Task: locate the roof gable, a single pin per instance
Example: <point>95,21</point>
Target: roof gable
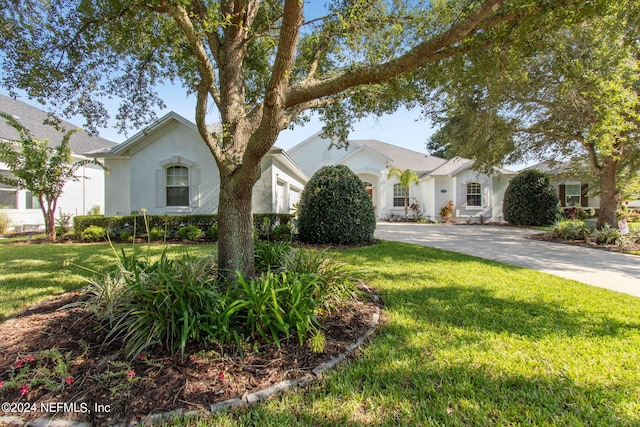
<point>142,137</point>
<point>402,158</point>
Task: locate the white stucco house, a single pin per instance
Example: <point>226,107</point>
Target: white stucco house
<point>78,197</point>
<point>476,196</point>
<point>167,169</point>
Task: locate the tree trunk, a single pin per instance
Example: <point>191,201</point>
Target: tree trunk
<point>235,226</point>
<point>609,197</point>
<point>49,212</point>
<point>406,204</point>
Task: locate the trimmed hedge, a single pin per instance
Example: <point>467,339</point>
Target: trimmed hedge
<point>336,208</point>
<point>116,225</point>
<point>530,199</point>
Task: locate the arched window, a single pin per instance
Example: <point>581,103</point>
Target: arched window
<point>474,194</point>
<point>177,186</point>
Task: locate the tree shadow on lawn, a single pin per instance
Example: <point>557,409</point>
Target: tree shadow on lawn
<point>471,292</point>
<point>479,309</point>
<point>368,392</point>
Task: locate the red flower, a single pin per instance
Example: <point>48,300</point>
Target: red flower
<point>140,357</point>
<point>131,373</point>
<point>221,376</point>
<point>1,384</point>
<point>19,363</point>
<point>30,358</point>
<point>24,389</point>
<point>69,381</point>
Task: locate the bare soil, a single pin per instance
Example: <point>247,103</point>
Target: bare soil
<point>154,382</point>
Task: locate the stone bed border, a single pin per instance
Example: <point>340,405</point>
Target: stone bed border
<point>247,399</point>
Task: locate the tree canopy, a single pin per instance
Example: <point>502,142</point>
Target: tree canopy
<point>263,65</point>
<point>577,96</point>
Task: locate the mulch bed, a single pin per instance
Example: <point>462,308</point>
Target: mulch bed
<point>156,382</point>
<point>627,247</point>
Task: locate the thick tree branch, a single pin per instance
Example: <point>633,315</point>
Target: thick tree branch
<point>205,67</point>
<point>212,36</point>
<point>273,108</point>
<point>423,54</point>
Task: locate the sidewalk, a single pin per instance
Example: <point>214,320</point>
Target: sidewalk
<point>610,270</point>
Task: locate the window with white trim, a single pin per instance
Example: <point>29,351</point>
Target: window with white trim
<point>474,194</point>
<point>572,195</point>
<point>398,195</point>
<point>177,186</point>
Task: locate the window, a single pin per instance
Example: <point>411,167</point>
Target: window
<point>474,194</point>
<point>32,201</point>
<point>572,195</point>
<point>8,198</point>
<point>398,195</point>
<point>177,186</point>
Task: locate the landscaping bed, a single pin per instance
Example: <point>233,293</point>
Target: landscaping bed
<point>104,387</point>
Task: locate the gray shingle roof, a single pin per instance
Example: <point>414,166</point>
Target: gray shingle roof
<point>33,119</point>
<point>403,158</point>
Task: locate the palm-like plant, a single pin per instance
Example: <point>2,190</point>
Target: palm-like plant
<point>406,177</point>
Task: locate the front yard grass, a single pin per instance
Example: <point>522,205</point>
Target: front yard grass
<point>33,272</point>
<point>466,342</point>
<point>473,342</point>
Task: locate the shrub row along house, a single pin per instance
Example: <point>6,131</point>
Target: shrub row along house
<point>167,169</point>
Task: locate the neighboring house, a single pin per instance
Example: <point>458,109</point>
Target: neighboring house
<point>167,169</point>
<point>78,197</point>
<point>572,192</point>
<point>476,196</point>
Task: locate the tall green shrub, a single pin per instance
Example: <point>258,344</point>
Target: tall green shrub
<point>336,208</point>
<point>530,199</point>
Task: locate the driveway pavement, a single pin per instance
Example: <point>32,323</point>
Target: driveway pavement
<point>615,271</point>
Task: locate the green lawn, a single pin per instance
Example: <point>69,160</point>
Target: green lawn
<point>30,273</point>
<point>466,342</point>
<point>470,342</point>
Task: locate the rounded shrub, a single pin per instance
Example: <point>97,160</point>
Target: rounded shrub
<point>94,233</point>
<point>189,233</point>
<point>336,208</point>
<point>530,199</point>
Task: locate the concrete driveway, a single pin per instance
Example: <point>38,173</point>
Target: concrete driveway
<point>615,271</point>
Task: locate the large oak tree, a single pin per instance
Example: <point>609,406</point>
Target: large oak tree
<point>262,65</point>
<point>575,96</point>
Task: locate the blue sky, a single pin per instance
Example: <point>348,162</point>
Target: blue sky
<point>404,128</point>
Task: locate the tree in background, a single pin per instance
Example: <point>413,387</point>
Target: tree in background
<point>577,98</point>
<point>406,178</point>
<point>38,167</point>
<point>263,65</point>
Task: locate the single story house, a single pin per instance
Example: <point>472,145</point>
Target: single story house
<point>572,190</point>
<point>78,197</point>
<point>476,196</point>
<point>167,169</point>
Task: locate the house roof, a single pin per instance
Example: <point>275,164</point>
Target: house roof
<point>552,167</point>
<point>452,167</point>
<point>166,120</point>
<point>402,158</point>
<point>33,119</point>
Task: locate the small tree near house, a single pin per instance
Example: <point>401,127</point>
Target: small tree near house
<point>40,168</point>
<point>406,177</point>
